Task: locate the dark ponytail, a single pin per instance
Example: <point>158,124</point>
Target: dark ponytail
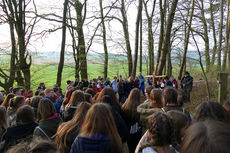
<point>14,102</point>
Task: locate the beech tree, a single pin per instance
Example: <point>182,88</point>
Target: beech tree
<point>21,33</point>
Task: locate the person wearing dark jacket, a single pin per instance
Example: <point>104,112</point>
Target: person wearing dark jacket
<point>186,86</point>
<point>121,89</point>
<point>68,131</point>
<point>76,98</point>
<point>99,133</point>
<point>48,119</point>
<point>132,118</point>
<point>24,128</point>
<point>119,121</point>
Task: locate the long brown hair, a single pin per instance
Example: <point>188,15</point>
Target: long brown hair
<point>25,114</point>
<point>7,100</point>
<point>3,117</point>
<point>46,109</point>
<point>211,111</point>
<point>129,108</point>
<point>99,119</point>
<point>206,137</point>
<point>66,128</point>
<point>76,98</point>
<point>108,91</point>
<point>180,121</point>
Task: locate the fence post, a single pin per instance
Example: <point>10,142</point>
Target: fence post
<point>223,87</point>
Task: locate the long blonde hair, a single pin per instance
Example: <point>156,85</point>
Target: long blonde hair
<point>66,128</point>
<point>99,119</point>
<point>76,98</point>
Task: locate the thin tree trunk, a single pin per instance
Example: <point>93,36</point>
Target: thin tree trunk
<point>150,37</point>
<point>183,64</point>
<point>137,38</point>
<point>62,53</point>
<point>214,34</point>
<point>74,47</point>
<point>126,34</point>
<point>206,37</point>
<point>161,39</point>
<point>169,63</point>
<point>167,37</point>
<point>228,33</point>
<point>202,68</point>
<point>104,41</point>
<point>220,40</point>
<point>141,40</point>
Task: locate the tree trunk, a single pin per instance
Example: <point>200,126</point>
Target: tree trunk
<point>167,37</point>
<point>141,40</point>
<point>81,40</point>
<point>220,40</point>
<point>150,46</point>
<point>62,53</point>
<point>187,34</point>
<point>104,41</point>
<point>202,68</point>
<point>137,38</point>
<point>206,37</point>
<point>150,37</point>
<point>169,63</point>
<point>227,33</point>
<point>126,34</point>
<point>20,28</point>
<point>214,33</point>
<point>161,39</point>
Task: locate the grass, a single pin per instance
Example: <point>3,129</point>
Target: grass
<point>47,73</point>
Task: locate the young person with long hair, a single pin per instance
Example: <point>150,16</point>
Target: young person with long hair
<point>24,128</point>
<point>208,136</point>
<point>36,146</point>
<point>119,121</point>
<point>34,103</point>
<point>76,98</point>
<point>3,125</point>
<point>99,133</point>
<point>48,120</point>
<point>68,131</point>
<point>15,103</point>
<point>6,101</point>
<point>226,106</point>
<point>159,136</point>
<point>109,91</point>
<point>211,111</point>
<point>132,117</point>
<point>180,123</point>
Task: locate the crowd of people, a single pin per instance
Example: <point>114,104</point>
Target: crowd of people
<point>134,115</point>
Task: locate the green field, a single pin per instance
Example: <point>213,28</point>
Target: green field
<point>48,73</point>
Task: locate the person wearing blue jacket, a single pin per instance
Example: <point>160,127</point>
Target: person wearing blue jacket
<point>99,133</point>
<point>142,83</point>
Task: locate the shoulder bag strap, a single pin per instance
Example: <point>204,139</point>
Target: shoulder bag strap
<point>43,132</point>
